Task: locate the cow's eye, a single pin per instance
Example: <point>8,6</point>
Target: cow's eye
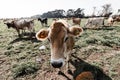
<point>66,39</point>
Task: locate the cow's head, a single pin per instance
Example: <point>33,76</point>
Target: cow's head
<point>9,24</point>
<point>58,35</point>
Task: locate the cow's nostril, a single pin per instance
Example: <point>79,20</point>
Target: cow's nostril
<point>57,64</point>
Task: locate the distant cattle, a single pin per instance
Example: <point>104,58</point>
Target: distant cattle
<point>61,37</point>
<point>76,21</point>
<point>43,21</point>
<point>68,18</point>
<point>55,19</point>
<point>110,21</point>
<point>21,24</point>
<point>94,22</point>
<point>116,19</point>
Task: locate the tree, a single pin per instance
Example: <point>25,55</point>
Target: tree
<point>79,12</point>
<point>59,13</point>
<point>118,10</point>
<point>107,10</point>
<point>94,10</point>
<point>70,12</point>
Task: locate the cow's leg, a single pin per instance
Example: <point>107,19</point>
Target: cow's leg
<point>32,30</point>
<point>110,24</point>
<point>46,24</point>
<point>96,26</point>
<point>18,31</point>
<point>42,24</point>
<point>23,32</point>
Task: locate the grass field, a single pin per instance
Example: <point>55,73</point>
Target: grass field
<point>97,51</point>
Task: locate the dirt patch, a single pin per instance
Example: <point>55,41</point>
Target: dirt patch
<point>95,51</point>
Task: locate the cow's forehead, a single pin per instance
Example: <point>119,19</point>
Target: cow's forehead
<point>58,29</point>
<point>58,32</point>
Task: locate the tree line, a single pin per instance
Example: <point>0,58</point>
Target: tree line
<point>106,11</point>
<point>60,13</point>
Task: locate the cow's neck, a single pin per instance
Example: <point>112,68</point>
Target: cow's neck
<point>70,44</point>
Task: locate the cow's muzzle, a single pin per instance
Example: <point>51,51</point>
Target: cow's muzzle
<point>57,63</point>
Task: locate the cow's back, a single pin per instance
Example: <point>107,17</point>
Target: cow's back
<point>19,24</point>
<point>22,24</point>
<point>95,21</point>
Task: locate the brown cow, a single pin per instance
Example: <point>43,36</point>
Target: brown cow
<point>61,38</point>
<point>76,21</point>
<point>21,24</point>
<point>87,75</point>
<point>117,19</point>
<point>113,19</point>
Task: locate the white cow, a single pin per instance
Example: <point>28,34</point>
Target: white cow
<point>110,21</point>
<point>94,22</point>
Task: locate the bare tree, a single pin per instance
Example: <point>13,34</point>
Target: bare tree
<point>79,12</point>
<point>107,10</point>
<point>118,10</point>
<point>94,10</point>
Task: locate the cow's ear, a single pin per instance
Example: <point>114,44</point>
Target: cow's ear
<point>42,34</point>
<point>75,30</point>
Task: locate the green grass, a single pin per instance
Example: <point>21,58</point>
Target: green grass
<point>24,68</point>
<point>20,54</point>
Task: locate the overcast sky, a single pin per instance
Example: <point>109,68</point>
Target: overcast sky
<point>27,8</point>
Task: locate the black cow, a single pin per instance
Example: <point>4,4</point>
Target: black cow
<point>43,21</point>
